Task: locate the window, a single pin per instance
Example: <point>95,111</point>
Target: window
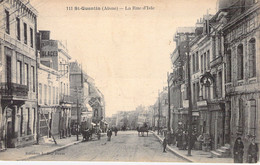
<point>29,126</point>
<point>53,93</point>
<point>198,90</point>
<point>240,116</point>
<point>25,32</point>
<point>31,35</point>
<point>49,95</point>
<point>26,72</point>
<point>229,66</point>
<point>61,88</point>
<point>219,87</point>
<point>7,22</point>
<point>19,72</point>
<point>18,29</point>
<point>33,78</point>
<point>205,62</point>
<point>34,120</point>
<point>25,121</point>
<point>252,117</point>
<point>197,61</point>
<point>214,86</point>
<point>45,94</point>
<point>57,96</point>
<point>201,63</point>
<point>40,93</point>
<point>240,62</point>
<point>193,63</point>
<point>252,58</point>
<point>208,60</point>
<point>67,89</point>
<point>21,124</point>
<point>194,92</point>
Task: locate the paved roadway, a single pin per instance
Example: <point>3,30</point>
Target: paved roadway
<point>126,146</point>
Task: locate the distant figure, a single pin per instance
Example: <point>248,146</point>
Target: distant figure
<point>252,152</point>
<point>116,130</point>
<point>238,151</point>
<point>193,139</point>
<point>184,140</point>
<point>98,134</point>
<point>164,144</point>
<point>109,134</point>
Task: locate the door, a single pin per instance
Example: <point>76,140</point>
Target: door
<point>9,134</point>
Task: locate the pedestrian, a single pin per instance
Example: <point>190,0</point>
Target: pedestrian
<point>252,152</point>
<point>180,140</point>
<point>109,134</point>
<point>98,133</point>
<point>164,144</point>
<point>116,130</point>
<point>184,140</point>
<point>193,139</point>
<point>238,151</point>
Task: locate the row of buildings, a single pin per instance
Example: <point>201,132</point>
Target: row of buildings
<point>224,77</point>
<point>42,93</point>
<point>132,119</point>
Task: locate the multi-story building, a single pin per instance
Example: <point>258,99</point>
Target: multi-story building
<point>241,55</point>
<point>48,101</point>
<point>97,102</point>
<point>79,92</point>
<point>54,54</point>
<point>207,81</point>
<point>177,78</point>
<point>160,110</point>
<point>18,110</point>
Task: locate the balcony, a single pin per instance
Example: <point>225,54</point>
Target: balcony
<point>65,98</point>
<point>13,91</point>
<point>216,61</point>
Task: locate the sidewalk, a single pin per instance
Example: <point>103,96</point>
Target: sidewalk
<point>25,153</point>
<point>198,156</point>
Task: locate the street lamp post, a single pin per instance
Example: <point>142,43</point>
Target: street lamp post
<point>158,112</point>
<point>189,97</point>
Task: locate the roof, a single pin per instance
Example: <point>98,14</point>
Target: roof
<point>185,30</point>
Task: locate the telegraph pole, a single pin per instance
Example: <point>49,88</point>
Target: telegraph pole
<point>169,105</point>
<point>189,96</point>
<point>77,116</point>
<point>158,112</point>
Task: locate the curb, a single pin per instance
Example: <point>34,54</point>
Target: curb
<point>50,151</point>
<point>174,151</point>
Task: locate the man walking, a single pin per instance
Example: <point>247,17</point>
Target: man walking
<point>252,152</point>
<point>164,144</point>
<point>109,134</point>
<point>238,151</point>
<point>116,130</point>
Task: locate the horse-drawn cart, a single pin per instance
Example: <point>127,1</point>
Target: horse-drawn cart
<point>143,129</point>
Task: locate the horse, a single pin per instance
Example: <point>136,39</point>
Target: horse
<point>142,130</point>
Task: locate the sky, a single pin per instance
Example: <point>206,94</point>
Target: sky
<point>126,52</point>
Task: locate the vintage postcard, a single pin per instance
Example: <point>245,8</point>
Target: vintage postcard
<point>173,81</point>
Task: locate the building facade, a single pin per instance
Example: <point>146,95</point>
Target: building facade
<point>48,101</point>
<point>54,54</point>
<point>178,79</point>
<point>18,110</point>
<point>241,54</point>
<point>79,92</point>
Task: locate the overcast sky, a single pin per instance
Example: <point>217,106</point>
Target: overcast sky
<point>126,52</point>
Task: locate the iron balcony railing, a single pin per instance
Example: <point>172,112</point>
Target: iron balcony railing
<point>13,90</point>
